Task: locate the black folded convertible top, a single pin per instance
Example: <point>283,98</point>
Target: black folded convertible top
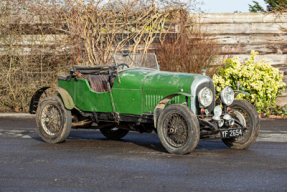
<point>94,69</point>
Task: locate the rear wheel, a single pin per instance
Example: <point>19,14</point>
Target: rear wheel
<point>114,133</point>
<point>53,120</point>
<point>178,129</point>
<point>247,115</point>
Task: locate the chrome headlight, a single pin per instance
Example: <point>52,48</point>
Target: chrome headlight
<point>205,97</point>
<point>217,113</point>
<point>227,95</point>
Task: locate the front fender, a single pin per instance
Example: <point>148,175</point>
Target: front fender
<point>161,105</point>
<point>67,99</point>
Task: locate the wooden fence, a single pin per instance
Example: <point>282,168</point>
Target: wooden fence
<point>236,33</point>
<point>239,33</point>
<point>243,32</point>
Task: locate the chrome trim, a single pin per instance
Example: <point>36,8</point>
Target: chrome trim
<point>227,117</point>
<point>197,81</point>
<point>217,116</point>
<point>220,123</point>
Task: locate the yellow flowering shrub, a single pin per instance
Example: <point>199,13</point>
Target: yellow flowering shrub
<point>261,80</point>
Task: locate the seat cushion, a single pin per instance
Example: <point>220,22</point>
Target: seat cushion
<point>99,83</point>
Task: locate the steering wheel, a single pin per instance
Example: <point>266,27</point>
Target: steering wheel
<point>122,65</point>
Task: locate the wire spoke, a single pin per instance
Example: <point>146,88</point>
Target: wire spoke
<point>175,129</point>
<point>51,120</point>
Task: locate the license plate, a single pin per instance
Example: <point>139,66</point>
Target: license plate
<point>228,133</point>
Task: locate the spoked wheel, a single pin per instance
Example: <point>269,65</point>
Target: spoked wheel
<point>175,129</point>
<point>247,115</point>
<point>114,133</point>
<point>53,120</point>
<point>178,129</point>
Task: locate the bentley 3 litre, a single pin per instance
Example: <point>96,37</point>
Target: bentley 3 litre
<point>134,95</point>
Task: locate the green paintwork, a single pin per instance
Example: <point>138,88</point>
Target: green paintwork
<point>139,92</point>
<point>159,84</point>
<point>128,94</point>
<point>86,99</point>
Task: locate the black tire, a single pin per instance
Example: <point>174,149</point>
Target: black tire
<point>252,124</point>
<point>53,120</point>
<point>178,129</point>
<point>114,133</point>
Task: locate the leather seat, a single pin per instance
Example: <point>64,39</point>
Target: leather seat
<point>99,83</point>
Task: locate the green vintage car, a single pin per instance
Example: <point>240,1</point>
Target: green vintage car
<point>134,95</point>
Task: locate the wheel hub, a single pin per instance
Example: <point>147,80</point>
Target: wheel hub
<point>177,129</point>
<point>171,130</point>
<point>51,119</point>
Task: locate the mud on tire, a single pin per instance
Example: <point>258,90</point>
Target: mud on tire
<point>53,120</point>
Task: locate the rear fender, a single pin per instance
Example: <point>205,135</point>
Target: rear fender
<point>161,105</point>
<point>66,98</point>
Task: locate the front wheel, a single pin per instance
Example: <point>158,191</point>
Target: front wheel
<point>53,120</point>
<point>247,115</point>
<point>178,129</point>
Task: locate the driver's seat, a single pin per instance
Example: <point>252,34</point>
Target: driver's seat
<point>99,83</point>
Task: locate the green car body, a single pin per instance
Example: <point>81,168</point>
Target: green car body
<point>135,95</point>
<point>139,92</point>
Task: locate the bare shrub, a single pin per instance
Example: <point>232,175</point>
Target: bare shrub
<point>31,55</point>
<point>189,51</point>
<point>40,40</point>
<point>98,29</point>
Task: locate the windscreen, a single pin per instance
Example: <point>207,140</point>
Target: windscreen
<point>126,61</point>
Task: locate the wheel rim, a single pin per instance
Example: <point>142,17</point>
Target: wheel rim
<point>51,119</point>
<point>175,129</point>
<point>245,114</point>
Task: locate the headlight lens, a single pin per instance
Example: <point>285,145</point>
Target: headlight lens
<point>227,95</point>
<point>205,97</point>
<point>217,111</point>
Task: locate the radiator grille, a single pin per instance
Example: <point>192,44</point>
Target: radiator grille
<point>152,100</point>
